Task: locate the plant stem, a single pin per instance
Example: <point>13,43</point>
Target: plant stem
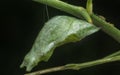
<point>54,69</point>
<point>107,27</point>
<point>79,11</point>
<point>76,66</point>
<point>113,54</point>
<point>89,7</point>
<point>92,63</point>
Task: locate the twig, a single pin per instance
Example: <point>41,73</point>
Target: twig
<point>79,12</point>
<point>107,27</point>
<point>76,66</point>
<point>89,7</point>
<point>113,54</point>
<point>54,69</point>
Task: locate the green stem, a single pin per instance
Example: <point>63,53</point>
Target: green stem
<point>113,54</point>
<point>89,7</point>
<point>92,63</point>
<point>76,66</point>
<point>54,69</point>
<point>79,11</point>
<point>107,27</point>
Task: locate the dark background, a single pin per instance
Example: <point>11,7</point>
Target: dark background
<point>20,21</point>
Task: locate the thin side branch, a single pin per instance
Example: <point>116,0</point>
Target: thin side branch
<point>113,54</point>
<point>54,69</point>
<point>76,66</point>
<point>89,7</point>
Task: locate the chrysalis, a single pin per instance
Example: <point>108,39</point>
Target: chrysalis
<point>57,31</point>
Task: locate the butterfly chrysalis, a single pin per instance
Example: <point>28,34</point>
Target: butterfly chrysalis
<point>57,31</point>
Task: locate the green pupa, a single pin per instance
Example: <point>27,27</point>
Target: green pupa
<point>57,31</point>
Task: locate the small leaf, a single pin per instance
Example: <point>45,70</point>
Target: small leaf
<point>57,31</point>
